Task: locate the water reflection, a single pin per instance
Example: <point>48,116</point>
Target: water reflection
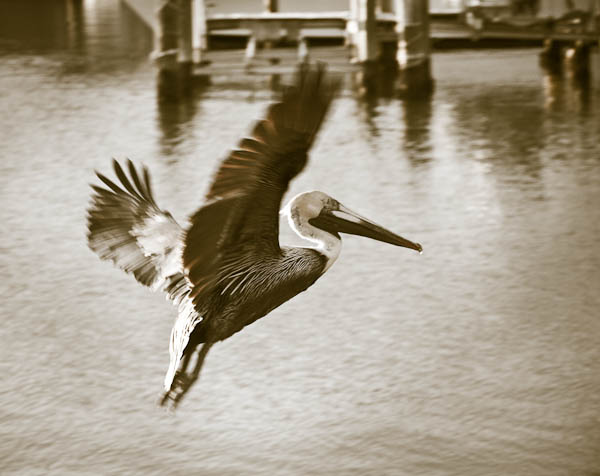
<point>507,125</point>
<point>567,93</point>
<point>372,88</point>
<point>417,128</point>
<point>174,115</point>
<point>75,24</point>
<point>367,101</point>
<point>42,26</point>
<point>84,37</point>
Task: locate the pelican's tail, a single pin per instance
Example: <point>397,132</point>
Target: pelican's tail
<point>187,320</point>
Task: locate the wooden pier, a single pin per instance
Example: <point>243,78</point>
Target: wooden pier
<point>368,36</point>
<point>371,33</point>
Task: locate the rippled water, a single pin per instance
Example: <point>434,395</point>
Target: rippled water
<point>480,356</point>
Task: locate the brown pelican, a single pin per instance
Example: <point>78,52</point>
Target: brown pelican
<point>227,269</point>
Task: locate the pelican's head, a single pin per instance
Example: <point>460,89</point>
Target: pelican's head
<point>317,210</point>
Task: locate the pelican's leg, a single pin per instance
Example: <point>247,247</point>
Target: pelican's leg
<point>191,378</point>
<point>184,363</point>
<point>179,380</point>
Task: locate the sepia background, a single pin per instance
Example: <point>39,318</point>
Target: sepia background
<point>479,357</point>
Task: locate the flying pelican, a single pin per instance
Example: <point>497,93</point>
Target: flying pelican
<point>227,269</point>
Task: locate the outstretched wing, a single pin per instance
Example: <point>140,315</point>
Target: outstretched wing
<point>242,214</point>
<point>126,226</point>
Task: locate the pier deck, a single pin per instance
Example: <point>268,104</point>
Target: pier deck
<point>364,39</point>
<point>333,25</point>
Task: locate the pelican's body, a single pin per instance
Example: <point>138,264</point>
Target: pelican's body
<point>267,285</point>
<point>227,269</point>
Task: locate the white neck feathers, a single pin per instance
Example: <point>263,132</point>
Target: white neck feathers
<point>326,243</point>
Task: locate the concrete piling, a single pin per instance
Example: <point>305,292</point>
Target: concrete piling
<point>577,59</point>
<point>414,50</point>
<point>174,48</point>
<point>551,55</point>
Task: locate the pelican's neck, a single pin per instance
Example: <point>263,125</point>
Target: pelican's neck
<point>325,243</point>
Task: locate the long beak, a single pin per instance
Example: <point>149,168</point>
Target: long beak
<point>345,220</point>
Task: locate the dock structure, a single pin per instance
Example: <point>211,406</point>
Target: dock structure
<point>370,33</point>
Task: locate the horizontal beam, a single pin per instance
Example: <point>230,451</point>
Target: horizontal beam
<point>272,61</point>
<point>279,16</point>
<point>533,35</point>
<point>337,20</point>
<point>342,15</point>
<point>261,70</point>
<point>251,23</point>
<point>445,30</point>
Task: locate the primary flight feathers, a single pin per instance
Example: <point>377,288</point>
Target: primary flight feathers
<point>126,226</point>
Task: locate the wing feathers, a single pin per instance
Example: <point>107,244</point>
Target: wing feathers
<point>124,180</point>
<point>126,227</point>
<point>282,138</point>
<point>115,188</point>
<point>241,221</point>
<point>141,186</point>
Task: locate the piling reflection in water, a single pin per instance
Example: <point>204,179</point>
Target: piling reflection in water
<point>174,117</point>
<point>417,127</point>
<point>568,94</point>
<point>487,359</point>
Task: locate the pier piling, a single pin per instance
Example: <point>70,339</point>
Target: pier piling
<point>551,55</point>
<point>199,30</point>
<point>366,47</point>
<point>578,59</point>
<point>174,48</point>
<point>414,50</point>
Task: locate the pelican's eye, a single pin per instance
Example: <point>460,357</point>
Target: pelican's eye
<point>331,204</point>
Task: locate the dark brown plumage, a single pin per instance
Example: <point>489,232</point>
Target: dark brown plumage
<point>246,194</point>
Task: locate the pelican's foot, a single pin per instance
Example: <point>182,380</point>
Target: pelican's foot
<point>181,384</point>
